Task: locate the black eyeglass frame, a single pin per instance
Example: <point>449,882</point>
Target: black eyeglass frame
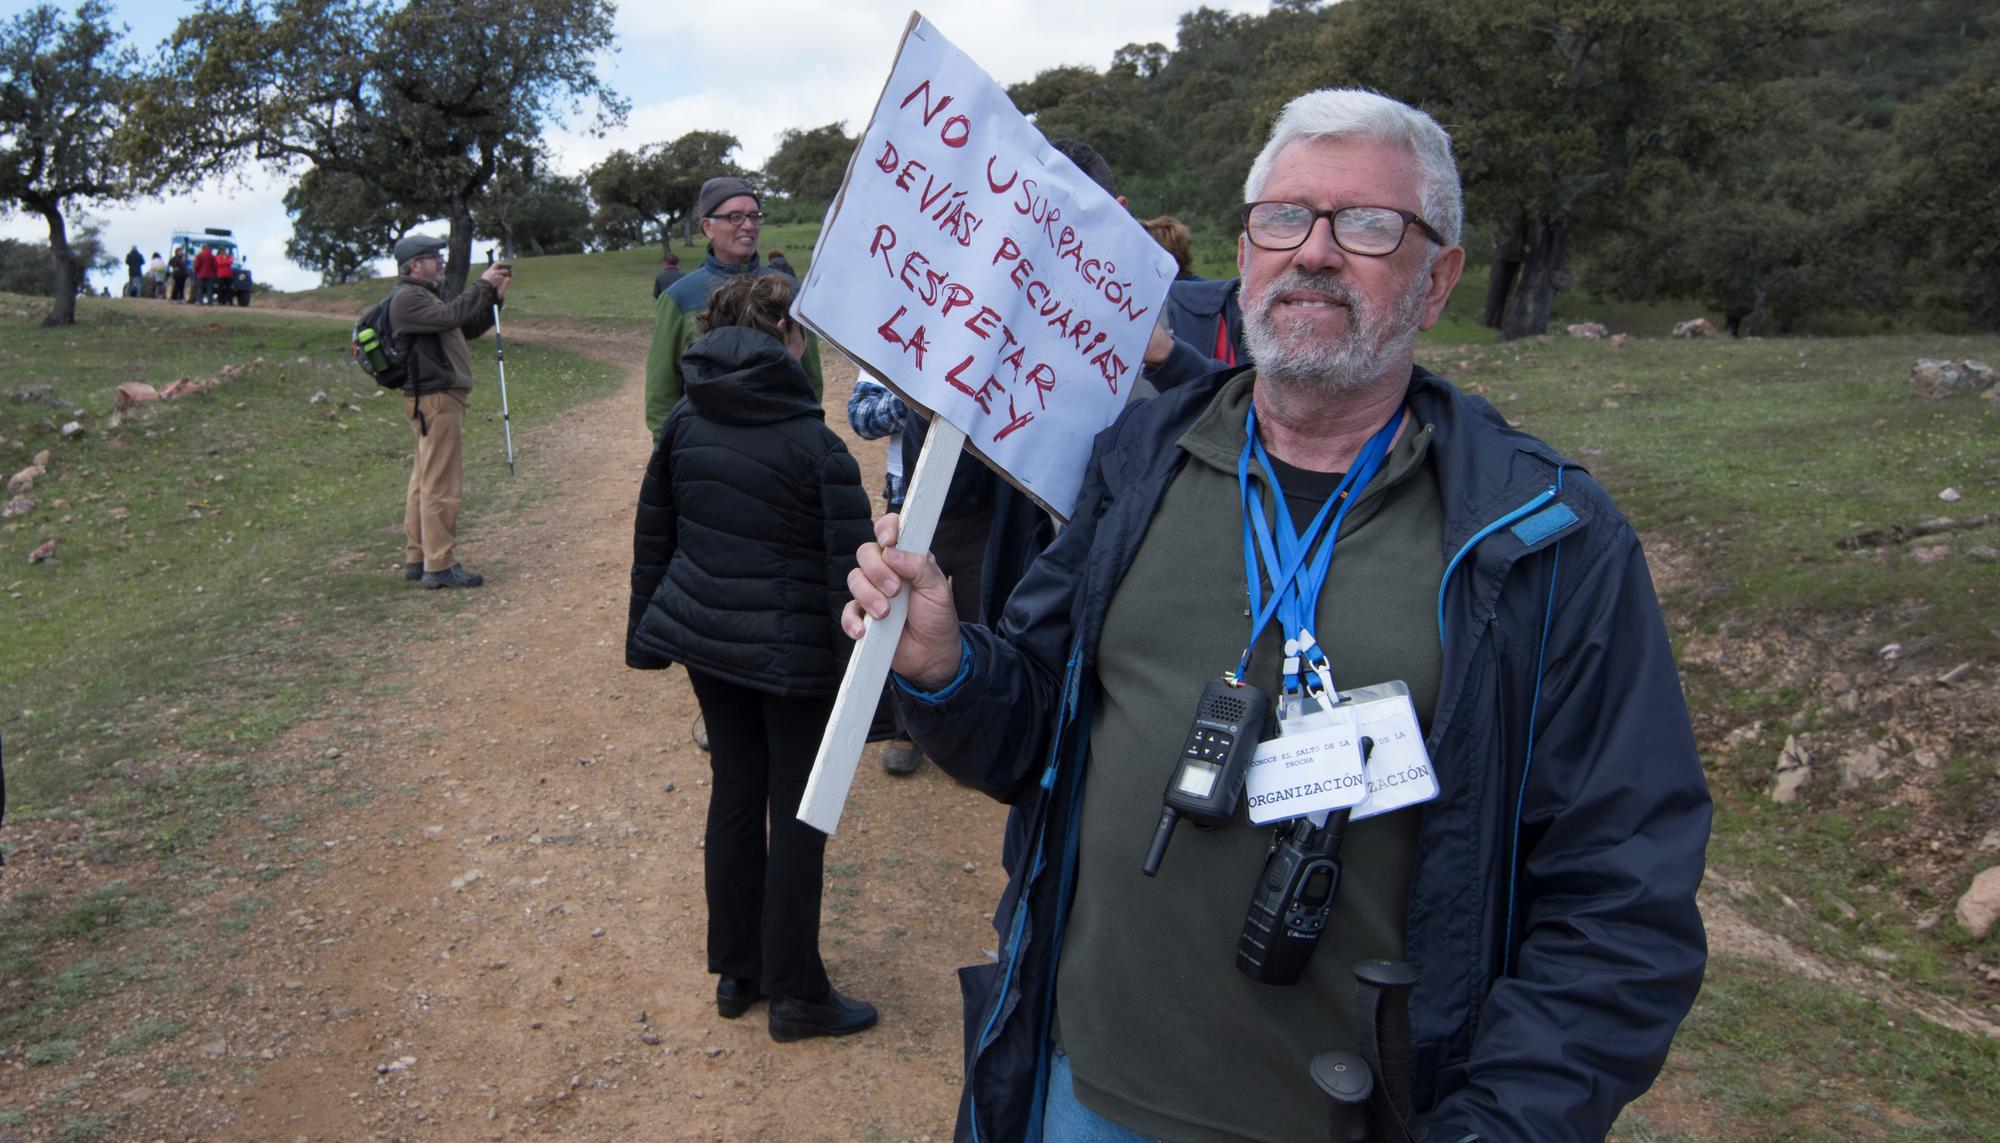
<point>1409,218</point>
<point>751,216</point>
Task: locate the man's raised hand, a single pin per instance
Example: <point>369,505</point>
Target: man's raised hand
<point>928,652</point>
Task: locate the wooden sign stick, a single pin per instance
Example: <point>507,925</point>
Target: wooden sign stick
<point>868,666</point>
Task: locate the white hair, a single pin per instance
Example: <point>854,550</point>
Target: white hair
<point>1356,113</point>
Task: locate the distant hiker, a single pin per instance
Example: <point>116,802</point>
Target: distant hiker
<point>748,520</point>
<point>670,272</point>
<point>178,267</point>
<point>731,218</point>
<point>430,333</point>
<point>204,275</point>
<point>156,276</point>
<point>225,276</point>
<point>135,262</point>
<point>777,262</point>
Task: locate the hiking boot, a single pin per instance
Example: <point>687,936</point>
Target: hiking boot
<point>453,576</point>
<point>836,1015</point>
<point>734,995</point>
<point>901,756</point>
<point>413,572</point>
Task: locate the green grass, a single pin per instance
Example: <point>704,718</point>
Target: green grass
<point>1833,1067</point>
<point>1761,455</point>
<point>616,286</point>
<point>237,540</point>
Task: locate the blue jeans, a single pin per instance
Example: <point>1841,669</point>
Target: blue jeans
<point>1064,1120</point>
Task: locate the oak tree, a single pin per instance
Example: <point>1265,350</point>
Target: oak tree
<point>63,84</point>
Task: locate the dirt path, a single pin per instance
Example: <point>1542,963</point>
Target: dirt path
<point>498,930</point>
<point>507,940</point>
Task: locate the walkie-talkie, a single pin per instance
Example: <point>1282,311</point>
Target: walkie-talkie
<point>1207,778</point>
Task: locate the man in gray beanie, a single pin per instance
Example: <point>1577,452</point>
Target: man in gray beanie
<point>430,333</point>
<point>731,220</point>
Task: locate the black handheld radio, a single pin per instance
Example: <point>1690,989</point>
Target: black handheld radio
<point>1207,778</point>
<point>1293,897</point>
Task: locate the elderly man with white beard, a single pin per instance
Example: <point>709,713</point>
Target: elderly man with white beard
<point>1344,539</point>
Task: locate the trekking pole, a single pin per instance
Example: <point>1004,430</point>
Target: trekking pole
<point>500,355</point>
<point>1349,1087</point>
<point>1382,1016</point>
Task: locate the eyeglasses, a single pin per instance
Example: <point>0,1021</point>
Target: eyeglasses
<point>1375,231</point>
<point>739,217</point>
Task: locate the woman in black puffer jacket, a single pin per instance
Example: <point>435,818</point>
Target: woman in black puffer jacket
<point>749,518</point>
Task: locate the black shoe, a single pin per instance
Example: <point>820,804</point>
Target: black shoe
<point>734,995</point>
<point>453,576</point>
<point>413,571</point>
<point>901,756</point>
<point>794,1019</point>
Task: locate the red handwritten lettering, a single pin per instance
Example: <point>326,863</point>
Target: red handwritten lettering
<point>1015,421</point>
<point>955,297</point>
<point>956,130</point>
<point>982,323</point>
<point>915,344</point>
<point>995,185</point>
<point>1043,379</point>
<point>877,246</point>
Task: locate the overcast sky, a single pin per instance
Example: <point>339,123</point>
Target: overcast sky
<point>751,69</point>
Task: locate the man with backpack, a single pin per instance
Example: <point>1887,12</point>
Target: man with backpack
<point>428,335</point>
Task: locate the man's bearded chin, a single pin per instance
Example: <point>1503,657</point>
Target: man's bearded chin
<point>1331,367</point>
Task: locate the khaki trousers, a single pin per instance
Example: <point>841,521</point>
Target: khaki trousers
<point>430,511</point>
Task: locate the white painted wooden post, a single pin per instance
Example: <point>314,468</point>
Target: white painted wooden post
<point>861,688</point>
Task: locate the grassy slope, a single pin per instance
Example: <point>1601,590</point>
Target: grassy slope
<point>225,535</point>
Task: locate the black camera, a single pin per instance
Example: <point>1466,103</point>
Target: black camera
<point>1207,778</point>
<point>1291,902</point>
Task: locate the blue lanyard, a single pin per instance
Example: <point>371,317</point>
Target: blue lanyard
<point>1296,581</point>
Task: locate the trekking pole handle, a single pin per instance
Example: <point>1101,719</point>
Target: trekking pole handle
<point>1382,1016</point>
<point>1344,1079</point>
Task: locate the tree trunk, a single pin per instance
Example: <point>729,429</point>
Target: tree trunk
<point>63,312</point>
<point>1543,272</point>
<point>459,245</point>
<point>1500,279</point>
<point>1757,311</point>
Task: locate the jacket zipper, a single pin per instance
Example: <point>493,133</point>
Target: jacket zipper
<point>1072,675</point>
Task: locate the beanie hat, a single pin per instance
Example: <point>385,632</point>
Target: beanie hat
<point>719,190</point>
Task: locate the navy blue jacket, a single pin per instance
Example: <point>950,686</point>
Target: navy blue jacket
<point>1552,913</point>
<point>1200,312</point>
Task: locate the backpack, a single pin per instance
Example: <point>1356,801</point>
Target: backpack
<point>374,346</point>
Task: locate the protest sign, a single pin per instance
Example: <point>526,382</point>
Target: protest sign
<point>980,274</point>
<point>983,276</point>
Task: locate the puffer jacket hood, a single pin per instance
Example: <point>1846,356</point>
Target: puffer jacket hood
<point>748,521</point>
<point>736,375</point>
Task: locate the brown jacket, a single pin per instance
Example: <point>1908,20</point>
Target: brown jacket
<point>432,332</point>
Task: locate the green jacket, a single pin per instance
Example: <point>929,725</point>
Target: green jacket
<point>674,329</point>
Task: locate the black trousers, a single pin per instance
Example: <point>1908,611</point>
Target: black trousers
<point>763,898</point>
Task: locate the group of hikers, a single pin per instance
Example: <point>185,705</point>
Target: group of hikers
<point>214,270</point>
<point>1505,924</point>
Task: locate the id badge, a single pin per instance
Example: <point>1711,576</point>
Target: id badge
<point>1314,764</point>
<point>1399,768</point>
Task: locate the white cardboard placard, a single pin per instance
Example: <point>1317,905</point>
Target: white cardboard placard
<point>973,269</point>
<point>981,275</point>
